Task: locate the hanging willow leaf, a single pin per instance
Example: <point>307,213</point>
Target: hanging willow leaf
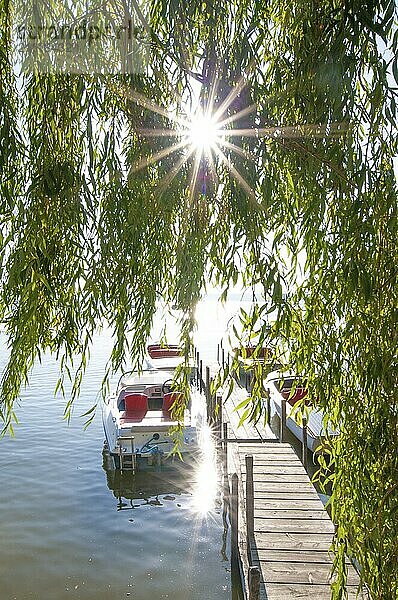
<point>103,219</point>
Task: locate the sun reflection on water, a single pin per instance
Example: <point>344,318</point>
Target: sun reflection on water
<point>206,485</point>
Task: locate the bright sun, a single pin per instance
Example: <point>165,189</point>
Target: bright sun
<point>203,132</point>
<point>209,131</point>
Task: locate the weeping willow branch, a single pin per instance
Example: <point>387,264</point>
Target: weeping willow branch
<point>102,222</point>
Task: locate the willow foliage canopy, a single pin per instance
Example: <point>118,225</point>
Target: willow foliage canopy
<point>299,197</point>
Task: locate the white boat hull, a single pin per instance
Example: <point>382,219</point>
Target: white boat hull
<point>155,436</point>
<point>316,433</point>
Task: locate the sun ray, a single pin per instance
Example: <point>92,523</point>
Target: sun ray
<point>242,113</point>
<point>205,132</point>
<point>159,132</point>
<point>168,178</point>
<point>149,160</point>
<point>212,166</point>
<point>245,153</point>
<point>230,98</point>
<point>143,101</point>
<point>194,176</point>
<point>292,131</point>
<point>212,95</point>
<point>237,176</point>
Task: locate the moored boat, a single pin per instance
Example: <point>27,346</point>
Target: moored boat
<point>290,389</point>
<point>164,357</point>
<point>139,416</point>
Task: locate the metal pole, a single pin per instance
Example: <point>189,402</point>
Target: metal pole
<point>234,528</point>
<point>254,583</point>
<point>282,435</point>
<point>305,444</point>
<point>249,505</point>
<point>268,410</point>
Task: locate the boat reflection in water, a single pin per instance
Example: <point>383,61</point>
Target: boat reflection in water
<point>196,481</point>
<point>176,526</point>
<point>144,487</point>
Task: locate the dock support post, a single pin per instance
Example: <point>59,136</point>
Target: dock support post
<point>225,457</point>
<point>208,395</point>
<point>219,417</point>
<point>197,370</point>
<point>225,447</point>
<point>305,444</point>
<point>249,505</point>
<point>201,375</point>
<point>234,528</point>
<point>268,416</point>
<point>282,435</point>
<point>254,583</point>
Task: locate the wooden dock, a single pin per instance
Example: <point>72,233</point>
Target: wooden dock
<point>281,533</point>
<point>292,531</point>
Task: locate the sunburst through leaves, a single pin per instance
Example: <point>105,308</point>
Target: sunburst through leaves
<point>205,135</point>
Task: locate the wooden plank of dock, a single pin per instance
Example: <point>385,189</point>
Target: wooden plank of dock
<point>257,431</point>
<point>292,530</point>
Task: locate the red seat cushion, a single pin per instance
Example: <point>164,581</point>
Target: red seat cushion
<point>136,406</point>
<point>168,401</point>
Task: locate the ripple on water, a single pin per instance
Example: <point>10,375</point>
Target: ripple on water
<point>69,529</point>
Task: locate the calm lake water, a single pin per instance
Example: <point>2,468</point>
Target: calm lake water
<point>71,529</point>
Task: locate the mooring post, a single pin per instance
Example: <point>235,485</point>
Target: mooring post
<point>210,403</point>
<point>282,434</point>
<point>234,528</point>
<point>225,449</point>
<point>197,370</point>
<point>254,583</point>
<point>268,416</point>
<point>304,456</point>
<point>249,505</point>
<point>201,375</point>
<point>219,417</point>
